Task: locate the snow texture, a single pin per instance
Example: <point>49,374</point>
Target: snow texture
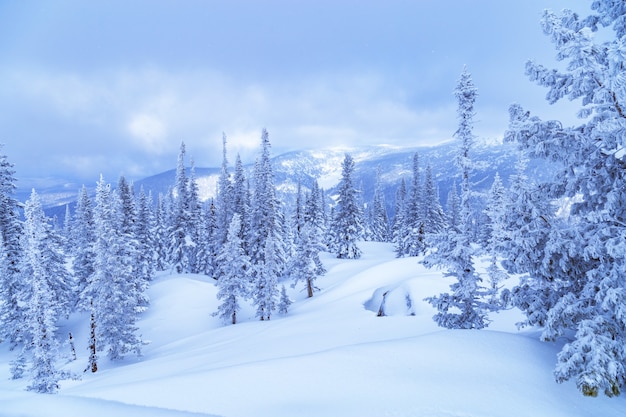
<point>328,356</point>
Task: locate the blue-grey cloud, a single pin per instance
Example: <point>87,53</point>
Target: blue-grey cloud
<point>114,87</point>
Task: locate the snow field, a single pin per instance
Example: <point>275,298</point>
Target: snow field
<point>330,356</point>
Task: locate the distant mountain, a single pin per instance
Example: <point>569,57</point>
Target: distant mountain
<point>325,165</point>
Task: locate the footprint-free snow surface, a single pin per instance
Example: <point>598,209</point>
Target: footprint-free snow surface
<point>331,355</point>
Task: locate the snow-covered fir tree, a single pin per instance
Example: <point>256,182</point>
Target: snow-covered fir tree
<point>146,251</point>
<point>180,226</point>
<point>464,307</point>
<point>224,199</point>
<point>48,296</point>
<point>496,213</point>
<point>347,223</point>
<point>265,289</point>
<point>267,219</point>
<point>241,202</point>
<point>432,213</point>
<point>397,228</point>
<point>306,265</point>
<point>412,234</point>
<point>82,241</point>
<point>11,285</point>
<point>233,273</point>
<point>379,221</point>
<point>111,291</point>
<point>285,301</point>
<point>590,268</point>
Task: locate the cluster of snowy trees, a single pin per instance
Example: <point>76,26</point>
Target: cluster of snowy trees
<point>572,262</point>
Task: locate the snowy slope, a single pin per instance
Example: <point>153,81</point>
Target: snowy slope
<point>330,356</point>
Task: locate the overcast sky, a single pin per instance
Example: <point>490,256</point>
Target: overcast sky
<point>114,87</point>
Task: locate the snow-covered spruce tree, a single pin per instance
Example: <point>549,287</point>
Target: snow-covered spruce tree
<point>314,211</point>
<point>267,221</point>
<point>397,228</point>
<point>347,221</point>
<point>195,223</point>
<point>224,199</point>
<point>207,241</point>
<point>180,225</point>
<point>265,290</point>
<point>124,197</point>
<point>379,220</point>
<point>592,269</point>
<point>285,301</point>
<point>111,291</point>
<point>433,216</point>
<point>82,241</point>
<point>496,213</point>
<point>11,286</point>
<point>160,232</point>
<point>413,233</point>
<point>529,222</point>
<point>47,297</point>
<point>464,307</point>
<point>306,264</point>
<point>241,201</point>
<point>233,272</point>
<point>144,226</point>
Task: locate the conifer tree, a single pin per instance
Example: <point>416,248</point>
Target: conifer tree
<point>233,273</point>
<point>83,239</point>
<point>224,199</point>
<point>160,232</point>
<point>433,215</point>
<point>588,256</point>
<point>48,296</point>
<point>496,213</point>
<point>464,307</point>
<point>306,265</point>
<point>285,301</point>
<point>241,202</point>
<point>347,221</point>
<point>111,292</point>
<point>379,219</point>
<point>397,228</point>
<point>11,286</point>
<point>265,292</point>
<point>145,239</point>
<point>180,226</point>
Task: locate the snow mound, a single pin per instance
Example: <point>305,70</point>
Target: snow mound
<point>391,301</point>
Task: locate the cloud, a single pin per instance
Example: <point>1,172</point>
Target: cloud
<point>142,116</point>
<point>149,131</point>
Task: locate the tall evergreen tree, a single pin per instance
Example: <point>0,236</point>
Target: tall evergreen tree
<point>397,228</point>
<point>111,291</point>
<point>432,214</point>
<point>464,307</point>
<point>241,202</point>
<point>82,241</point>
<point>496,213</point>
<point>379,219</point>
<point>224,199</point>
<point>591,251</point>
<point>11,286</point>
<point>347,220</point>
<point>306,265</point>
<point>233,272</point>
<point>48,296</point>
<point>267,224</point>
<point>179,236</point>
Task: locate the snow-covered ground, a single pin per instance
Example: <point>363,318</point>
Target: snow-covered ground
<point>330,356</point>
